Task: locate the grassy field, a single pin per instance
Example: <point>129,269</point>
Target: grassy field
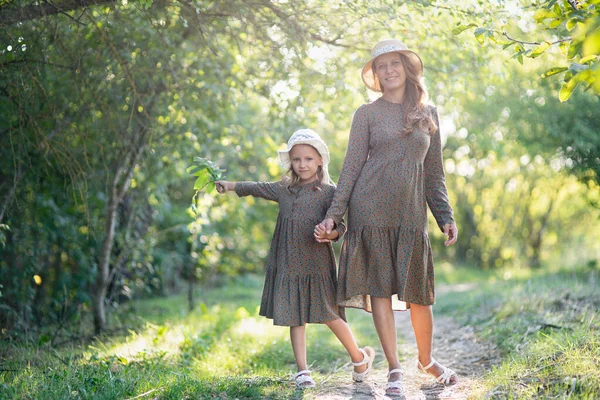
<point>546,325</point>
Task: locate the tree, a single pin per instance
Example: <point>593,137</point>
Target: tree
<point>572,25</point>
<point>119,82</point>
<point>104,105</point>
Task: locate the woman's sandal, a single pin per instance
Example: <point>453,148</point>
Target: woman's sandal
<point>445,377</point>
<point>304,380</point>
<point>394,388</point>
<point>368,357</point>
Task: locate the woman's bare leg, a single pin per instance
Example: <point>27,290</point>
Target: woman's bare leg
<point>385,324</point>
<point>422,322</point>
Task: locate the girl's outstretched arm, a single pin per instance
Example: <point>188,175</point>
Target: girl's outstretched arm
<point>225,186</point>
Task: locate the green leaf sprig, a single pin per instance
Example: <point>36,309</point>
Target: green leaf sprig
<point>207,173</point>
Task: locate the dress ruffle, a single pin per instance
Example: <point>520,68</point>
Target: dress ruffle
<point>386,262</point>
<point>300,281</point>
<point>294,300</point>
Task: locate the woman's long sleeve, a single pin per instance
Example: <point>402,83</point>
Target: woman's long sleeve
<point>341,226</point>
<point>356,156</point>
<point>436,192</point>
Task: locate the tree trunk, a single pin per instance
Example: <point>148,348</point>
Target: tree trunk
<point>190,292</point>
<point>537,238</point>
<point>120,185</point>
<point>102,280</point>
<point>191,275</point>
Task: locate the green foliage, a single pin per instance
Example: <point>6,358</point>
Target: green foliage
<point>124,97</point>
<point>575,23</point>
<point>3,227</point>
<point>207,173</point>
<point>126,104</point>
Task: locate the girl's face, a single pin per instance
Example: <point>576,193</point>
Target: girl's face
<point>306,161</point>
<point>390,71</point>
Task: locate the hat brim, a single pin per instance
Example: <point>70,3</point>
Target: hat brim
<point>284,155</point>
<point>370,79</point>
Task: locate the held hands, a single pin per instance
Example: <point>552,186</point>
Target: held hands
<point>451,232</point>
<point>224,186</point>
<point>324,232</point>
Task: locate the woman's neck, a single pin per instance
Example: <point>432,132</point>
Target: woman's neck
<point>394,96</point>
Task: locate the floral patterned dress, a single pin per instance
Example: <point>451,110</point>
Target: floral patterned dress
<point>387,181</point>
<point>300,282</point>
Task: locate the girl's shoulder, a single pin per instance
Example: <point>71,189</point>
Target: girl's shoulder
<point>284,182</point>
<point>328,188</point>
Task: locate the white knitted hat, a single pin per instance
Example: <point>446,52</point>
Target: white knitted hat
<point>305,136</point>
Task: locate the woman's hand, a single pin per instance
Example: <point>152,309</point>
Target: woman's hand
<point>224,186</point>
<point>451,232</point>
<point>323,237</point>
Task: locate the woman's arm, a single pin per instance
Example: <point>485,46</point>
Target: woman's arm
<point>436,192</point>
<point>356,157</point>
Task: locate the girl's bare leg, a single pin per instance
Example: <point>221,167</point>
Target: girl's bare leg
<point>342,331</point>
<point>298,338</point>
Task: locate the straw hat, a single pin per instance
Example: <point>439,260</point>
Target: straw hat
<point>305,136</point>
<point>384,47</point>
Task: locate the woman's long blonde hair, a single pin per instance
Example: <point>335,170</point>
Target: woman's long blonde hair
<point>417,115</point>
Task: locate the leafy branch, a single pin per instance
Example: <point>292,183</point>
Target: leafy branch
<point>207,173</point>
<point>581,47</point>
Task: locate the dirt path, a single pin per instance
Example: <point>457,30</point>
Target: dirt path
<point>454,346</point>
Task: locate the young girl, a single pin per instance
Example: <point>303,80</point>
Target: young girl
<point>300,283</point>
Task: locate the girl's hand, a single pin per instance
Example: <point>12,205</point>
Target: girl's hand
<point>322,236</point>
<point>451,232</point>
<point>224,186</point>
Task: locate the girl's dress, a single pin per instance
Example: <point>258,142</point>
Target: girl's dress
<point>300,282</point>
<point>387,181</point>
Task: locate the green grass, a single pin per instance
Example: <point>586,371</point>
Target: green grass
<point>223,349</point>
<point>545,323</point>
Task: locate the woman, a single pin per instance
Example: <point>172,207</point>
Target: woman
<point>392,170</point>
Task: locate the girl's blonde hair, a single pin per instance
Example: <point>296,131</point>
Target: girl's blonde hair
<point>416,112</point>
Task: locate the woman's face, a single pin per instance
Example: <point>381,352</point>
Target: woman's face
<point>390,71</point>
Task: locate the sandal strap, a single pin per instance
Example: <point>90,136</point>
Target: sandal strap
<point>428,365</point>
<point>396,386</point>
<point>368,357</point>
<point>446,376</point>
<point>365,359</point>
<point>298,374</point>
<point>304,379</point>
